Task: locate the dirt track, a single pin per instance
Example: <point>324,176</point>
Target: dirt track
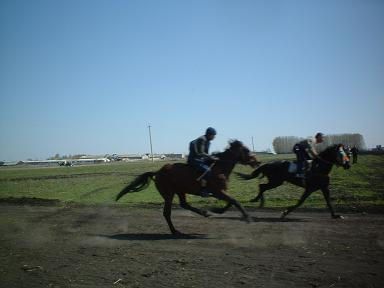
<point>51,246</point>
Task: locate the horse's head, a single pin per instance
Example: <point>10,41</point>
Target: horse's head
<point>337,155</point>
<point>242,154</point>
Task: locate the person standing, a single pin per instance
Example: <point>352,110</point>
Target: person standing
<point>354,152</point>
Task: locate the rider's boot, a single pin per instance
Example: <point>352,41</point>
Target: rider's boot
<point>301,176</point>
<point>204,192</point>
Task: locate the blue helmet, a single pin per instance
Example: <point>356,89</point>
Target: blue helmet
<point>210,131</point>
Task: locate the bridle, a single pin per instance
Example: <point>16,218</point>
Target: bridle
<point>337,163</point>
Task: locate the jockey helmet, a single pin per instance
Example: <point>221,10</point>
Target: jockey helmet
<point>210,131</point>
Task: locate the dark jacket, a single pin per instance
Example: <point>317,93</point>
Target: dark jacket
<point>198,149</point>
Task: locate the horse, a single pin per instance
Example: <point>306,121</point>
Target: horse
<point>316,178</point>
<point>181,179</point>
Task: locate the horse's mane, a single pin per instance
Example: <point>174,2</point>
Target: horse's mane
<point>330,148</point>
<point>329,153</point>
<point>233,144</point>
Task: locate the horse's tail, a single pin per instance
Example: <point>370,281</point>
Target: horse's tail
<point>258,171</point>
<point>140,183</point>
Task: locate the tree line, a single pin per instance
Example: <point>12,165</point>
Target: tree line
<point>284,144</point>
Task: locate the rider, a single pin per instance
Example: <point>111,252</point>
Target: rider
<point>305,151</point>
<point>198,157</point>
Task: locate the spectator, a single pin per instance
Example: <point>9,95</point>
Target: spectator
<point>354,151</point>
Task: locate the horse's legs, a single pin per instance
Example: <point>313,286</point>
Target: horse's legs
<point>264,187</point>
<point>260,196</point>
<point>301,201</point>
<point>224,196</point>
<point>221,210</point>
<point>262,201</point>
<point>325,191</point>
<point>184,204</point>
<point>167,212</point>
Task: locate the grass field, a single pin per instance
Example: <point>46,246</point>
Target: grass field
<point>359,187</point>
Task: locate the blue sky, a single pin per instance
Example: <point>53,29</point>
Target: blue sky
<point>89,76</point>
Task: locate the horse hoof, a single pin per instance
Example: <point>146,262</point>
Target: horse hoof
<point>337,217</point>
<point>282,216</point>
<point>217,210</point>
<point>206,214</point>
<point>247,219</point>
<point>177,233</point>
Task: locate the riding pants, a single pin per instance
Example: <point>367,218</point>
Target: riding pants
<point>201,166</point>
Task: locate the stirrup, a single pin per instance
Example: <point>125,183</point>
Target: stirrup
<point>205,192</point>
<point>203,183</point>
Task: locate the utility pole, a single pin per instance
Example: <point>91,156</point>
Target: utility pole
<point>253,146</point>
<point>150,141</point>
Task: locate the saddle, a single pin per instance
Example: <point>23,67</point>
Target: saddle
<point>199,177</point>
<point>292,168</point>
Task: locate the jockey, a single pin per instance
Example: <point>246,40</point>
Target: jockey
<point>198,156</point>
<point>305,152</point>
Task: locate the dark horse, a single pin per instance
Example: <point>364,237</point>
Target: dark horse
<point>317,178</point>
<point>180,179</point>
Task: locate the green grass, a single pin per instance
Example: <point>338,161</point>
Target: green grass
<point>361,186</point>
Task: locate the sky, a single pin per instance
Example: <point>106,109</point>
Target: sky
<point>90,76</point>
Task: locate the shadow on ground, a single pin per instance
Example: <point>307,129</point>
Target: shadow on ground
<point>262,219</point>
<point>153,236</point>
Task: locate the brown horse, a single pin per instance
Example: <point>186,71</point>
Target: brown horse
<point>180,179</point>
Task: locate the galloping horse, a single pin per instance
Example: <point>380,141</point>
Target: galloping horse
<point>317,178</point>
<point>180,179</point>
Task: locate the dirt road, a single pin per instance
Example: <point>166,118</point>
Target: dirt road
<point>53,246</point>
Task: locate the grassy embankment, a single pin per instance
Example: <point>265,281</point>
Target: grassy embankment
<point>360,187</point>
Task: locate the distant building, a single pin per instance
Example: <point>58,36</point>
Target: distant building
<point>132,157</point>
<point>95,159</point>
<point>174,156</point>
